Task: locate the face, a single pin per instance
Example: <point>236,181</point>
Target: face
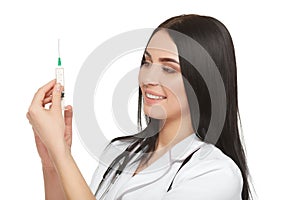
<point>161,81</point>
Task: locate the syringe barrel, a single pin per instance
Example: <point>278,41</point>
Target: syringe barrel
<point>59,73</point>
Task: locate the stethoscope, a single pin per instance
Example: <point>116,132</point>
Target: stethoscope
<point>117,173</point>
<point>109,186</point>
<point>123,165</point>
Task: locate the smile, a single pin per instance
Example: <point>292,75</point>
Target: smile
<point>152,96</point>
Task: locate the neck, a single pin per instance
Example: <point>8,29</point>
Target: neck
<point>173,131</point>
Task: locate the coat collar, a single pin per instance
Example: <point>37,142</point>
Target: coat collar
<point>185,147</point>
<point>160,167</point>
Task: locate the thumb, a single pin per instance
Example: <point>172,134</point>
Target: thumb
<point>56,97</point>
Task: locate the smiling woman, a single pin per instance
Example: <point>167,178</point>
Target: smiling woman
<point>171,158</point>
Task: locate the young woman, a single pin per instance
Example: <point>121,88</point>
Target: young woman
<point>174,157</point>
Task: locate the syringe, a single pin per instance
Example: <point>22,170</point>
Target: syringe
<point>59,72</point>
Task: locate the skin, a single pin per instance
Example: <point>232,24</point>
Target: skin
<point>161,74</point>
<point>53,132</point>
<point>53,136</point>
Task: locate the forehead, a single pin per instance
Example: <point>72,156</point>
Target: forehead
<point>161,41</point>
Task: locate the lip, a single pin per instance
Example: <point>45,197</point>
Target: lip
<point>152,101</point>
<point>153,93</point>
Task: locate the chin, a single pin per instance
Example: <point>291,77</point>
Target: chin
<point>155,111</point>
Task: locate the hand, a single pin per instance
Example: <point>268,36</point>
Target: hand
<point>53,133</point>
<point>41,148</point>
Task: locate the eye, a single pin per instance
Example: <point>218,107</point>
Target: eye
<point>168,69</point>
<point>146,63</point>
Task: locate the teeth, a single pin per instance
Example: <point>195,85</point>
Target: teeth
<point>151,96</point>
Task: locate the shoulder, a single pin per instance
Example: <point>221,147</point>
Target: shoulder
<point>213,174</point>
<point>211,157</point>
<point>111,151</point>
<point>213,161</point>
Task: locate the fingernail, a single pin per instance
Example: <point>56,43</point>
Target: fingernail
<point>57,86</point>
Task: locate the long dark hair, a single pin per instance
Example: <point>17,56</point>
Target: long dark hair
<point>216,40</point>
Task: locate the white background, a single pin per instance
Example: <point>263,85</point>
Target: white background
<point>266,38</point>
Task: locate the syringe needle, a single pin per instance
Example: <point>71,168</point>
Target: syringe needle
<point>59,60</point>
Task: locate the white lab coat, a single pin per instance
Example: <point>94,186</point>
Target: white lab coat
<point>209,175</point>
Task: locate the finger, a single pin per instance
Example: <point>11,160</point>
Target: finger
<point>68,116</point>
<point>40,94</point>
<point>48,97</point>
<point>49,93</point>
<point>68,124</point>
<point>47,100</point>
<point>56,97</point>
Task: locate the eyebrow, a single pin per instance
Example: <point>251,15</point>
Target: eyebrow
<point>162,59</point>
<point>149,55</point>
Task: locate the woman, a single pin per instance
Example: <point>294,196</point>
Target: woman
<point>172,158</point>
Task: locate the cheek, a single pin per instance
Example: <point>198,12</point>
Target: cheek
<point>176,93</point>
<point>174,87</point>
<point>140,77</point>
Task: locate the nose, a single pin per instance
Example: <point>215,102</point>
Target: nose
<point>148,82</point>
<point>150,76</point>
